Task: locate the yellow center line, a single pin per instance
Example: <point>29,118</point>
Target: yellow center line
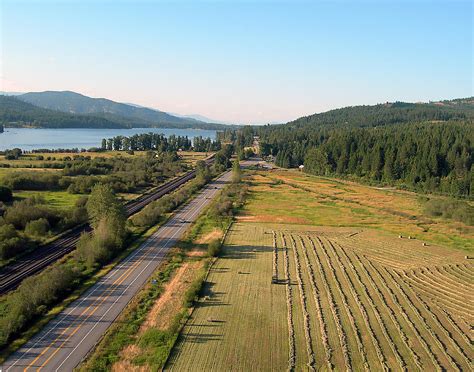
<point>111,288</point>
<point>130,271</point>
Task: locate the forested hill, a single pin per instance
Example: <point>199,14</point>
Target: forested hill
<point>390,113</point>
<point>426,147</point>
<point>15,111</point>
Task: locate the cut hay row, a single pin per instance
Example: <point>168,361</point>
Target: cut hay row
<point>456,326</point>
<point>304,307</point>
<point>380,320</point>
<point>440,324</point>
<point>433,294</point>
<point>430,288</point>
<point>382,259</point>
<point>317,300</point>
<point>401,309</point>
<point>355,328</point>
<point>459,275</point>
<point>275,257</point>
<point>448,278</point>
<point>362,309</point>
<point>392,316</point>
<point>334,310</point>
<point>385,251</point>
<point>465,270</point>
<point>388,263</point>
<point>446,272</point>
<point>423,321</point>
<point>439,286</point>
<point>289,304</point>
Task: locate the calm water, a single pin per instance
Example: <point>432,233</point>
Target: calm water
<point>30,139</point>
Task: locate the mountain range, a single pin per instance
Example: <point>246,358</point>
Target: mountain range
<point>49,108</point>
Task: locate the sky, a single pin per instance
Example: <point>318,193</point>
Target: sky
<point>240,61</point>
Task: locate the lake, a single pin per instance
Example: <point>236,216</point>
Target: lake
<point>30,139</point>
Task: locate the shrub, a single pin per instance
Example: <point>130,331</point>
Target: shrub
<point>37,228</point>
<point>36,181</point>
<point>13,154</point>
<point>22,212</point>
<point>451,209</point>
<point>11,243</point>
<point>102,244</point>
<point>213,248</point>
<point>5,194</point>
<point>32,298</point>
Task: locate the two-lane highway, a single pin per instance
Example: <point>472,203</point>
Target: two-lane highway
<point>67,339</point>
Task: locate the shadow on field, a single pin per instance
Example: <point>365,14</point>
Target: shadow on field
<point>239,252</point>
<point>209,297</point>
<point>199,338</point>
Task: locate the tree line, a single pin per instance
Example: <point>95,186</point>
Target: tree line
<point>159,142</point>
<point>422,147</point>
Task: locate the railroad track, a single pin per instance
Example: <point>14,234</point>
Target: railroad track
<point>12,275</point>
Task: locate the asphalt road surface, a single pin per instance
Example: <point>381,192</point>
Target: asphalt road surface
<point>67,339</point>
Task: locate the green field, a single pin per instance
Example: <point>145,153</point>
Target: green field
<point>56,199</point>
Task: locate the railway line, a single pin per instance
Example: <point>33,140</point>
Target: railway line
<point>12,275</point>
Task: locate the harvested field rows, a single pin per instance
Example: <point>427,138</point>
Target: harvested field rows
<point>329,303</point>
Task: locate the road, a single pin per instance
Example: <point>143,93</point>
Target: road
<point>67,339</point>
<point>12,275</point>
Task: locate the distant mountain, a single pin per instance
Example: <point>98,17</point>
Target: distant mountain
<point>201,118</point>
<point>76,103</point>
<point>18,113</point>
<point>11,93</point>
<point>106,112</point>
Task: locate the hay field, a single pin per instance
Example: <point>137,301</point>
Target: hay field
<point>305,283</point>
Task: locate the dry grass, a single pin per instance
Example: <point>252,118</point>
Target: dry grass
<point>209,237</point>
<point>171,300</point>
<point>296,198</point>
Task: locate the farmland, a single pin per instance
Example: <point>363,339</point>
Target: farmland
<point>335,276</point>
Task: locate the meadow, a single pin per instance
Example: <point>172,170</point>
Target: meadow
<point>321,274</point>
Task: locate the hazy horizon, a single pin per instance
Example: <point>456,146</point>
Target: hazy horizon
<point>242,62</point>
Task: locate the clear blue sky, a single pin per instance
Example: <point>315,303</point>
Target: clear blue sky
<point>241,61</point>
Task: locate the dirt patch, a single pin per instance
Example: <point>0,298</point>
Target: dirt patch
<point>196,252</point>
<point>213,235</point>
<point>125,363</point>
<point>171,300</point>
